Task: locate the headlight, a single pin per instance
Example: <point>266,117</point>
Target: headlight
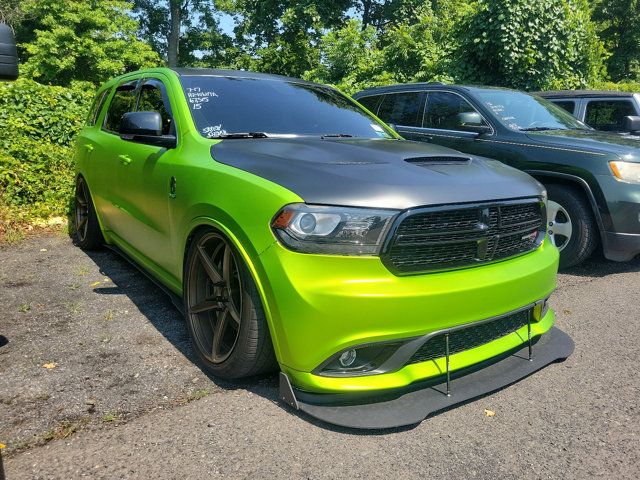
<point>332,230</point>
<point>626,171</point>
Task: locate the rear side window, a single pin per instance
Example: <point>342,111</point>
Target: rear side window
<point>568,105</point>
<point>401,108</point>
<point>608,114</point>
<point>123,101</point>
<point>442,110</point>
<point>96,108</point>
<point>370,103</point>
<point>153,99</point>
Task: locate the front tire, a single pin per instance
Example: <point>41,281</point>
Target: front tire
<point>87,228</point>
<point>570,225</point>
<point>225,318</point>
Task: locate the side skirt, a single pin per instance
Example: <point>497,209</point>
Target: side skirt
<point>175,299</point>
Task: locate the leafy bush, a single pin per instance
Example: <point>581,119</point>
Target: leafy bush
<point>530,45</point>
<point>621,87</point>
<point>37,127</point>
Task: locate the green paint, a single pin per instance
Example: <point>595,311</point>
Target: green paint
<point>316,305</point>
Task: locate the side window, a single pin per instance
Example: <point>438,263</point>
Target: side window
<point>443,111</point>
<point>153,99</point>
<point>568,105</point>
<point>370,103</point>
<point>608,114</point>
<point>401,108</point>
<point>123,101</point>
<point>96,108</point>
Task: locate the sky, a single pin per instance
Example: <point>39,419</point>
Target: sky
<point>226,23</point>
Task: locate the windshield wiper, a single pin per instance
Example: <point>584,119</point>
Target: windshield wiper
<point>337,135</point>
<point>240,135</point>
<point>539,129</point>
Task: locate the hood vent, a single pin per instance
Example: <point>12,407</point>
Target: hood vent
<point>428,161</point>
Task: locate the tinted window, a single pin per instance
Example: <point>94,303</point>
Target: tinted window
<point>96,108</point>
<point>608,114</point>
<point>370,103</point>
<point>567,105</point>
<point>401,108</point>
<point>521,111</point>
<point>443,109</point>
<point>153,99</point>
<point>224,105</point>
<point>123,101</point>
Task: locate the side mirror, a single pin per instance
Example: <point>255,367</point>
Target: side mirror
<point>145,127</point>
<point>471,122</point>
<point>8,54</point>
<point>631,124</point>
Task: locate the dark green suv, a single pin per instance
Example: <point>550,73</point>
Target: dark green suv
<point>592,177</point>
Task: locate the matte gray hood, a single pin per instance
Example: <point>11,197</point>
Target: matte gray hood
<point>375,172</point>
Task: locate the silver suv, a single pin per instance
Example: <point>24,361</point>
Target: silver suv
<point>603,110</point>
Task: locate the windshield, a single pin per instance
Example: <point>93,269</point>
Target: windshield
<point>524,112</point>
<point>226,106</point>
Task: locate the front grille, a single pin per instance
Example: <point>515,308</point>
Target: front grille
<point>439,239</point>
<point>470,337</point>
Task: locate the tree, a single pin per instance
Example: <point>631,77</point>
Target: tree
<point>414,49</point>
<point>182,31</point>
<point>619,25</point>
<point>282,36</point>
<point>529,44</point>
<point>351,58</point>
<point>11,11</point>
<point>81,40</point>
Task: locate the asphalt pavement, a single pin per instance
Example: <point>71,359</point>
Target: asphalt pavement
<point>97,380</point>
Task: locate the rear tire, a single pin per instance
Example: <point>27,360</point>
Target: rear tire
<point>225,318</point>
<point>86,226</point>
<point>576,232</point>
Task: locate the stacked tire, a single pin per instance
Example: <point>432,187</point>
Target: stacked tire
<point>8,54</point>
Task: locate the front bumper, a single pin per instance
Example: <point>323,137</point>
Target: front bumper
<point>411,405</point>
<point>319,305</point>
<point>621,238</point>
<point>621,247</point>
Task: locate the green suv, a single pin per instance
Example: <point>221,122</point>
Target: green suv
<point>298,232</point>
<point>592,177</point>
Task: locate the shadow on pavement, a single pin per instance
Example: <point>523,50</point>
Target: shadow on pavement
<point>154,304</point>
<point>598,266</point>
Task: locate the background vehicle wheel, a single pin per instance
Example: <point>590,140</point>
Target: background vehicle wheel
<point>570,225</point>
<point>226,322</point>
<point>87,228</point>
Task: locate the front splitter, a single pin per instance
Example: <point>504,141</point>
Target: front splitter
<point>412,404</point>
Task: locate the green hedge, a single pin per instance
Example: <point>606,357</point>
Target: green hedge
<point>37,127</point>
<point>622,86</point>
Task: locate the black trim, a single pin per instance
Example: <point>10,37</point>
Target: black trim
<point>391,235</point>
<point>622,247</point>
<point>576,94</point>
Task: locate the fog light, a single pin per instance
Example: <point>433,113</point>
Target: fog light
<point>365,359</point>
<point>347,358</point>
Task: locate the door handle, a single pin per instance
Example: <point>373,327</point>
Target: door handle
<point>88,147</point>
<point>125,159</point>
